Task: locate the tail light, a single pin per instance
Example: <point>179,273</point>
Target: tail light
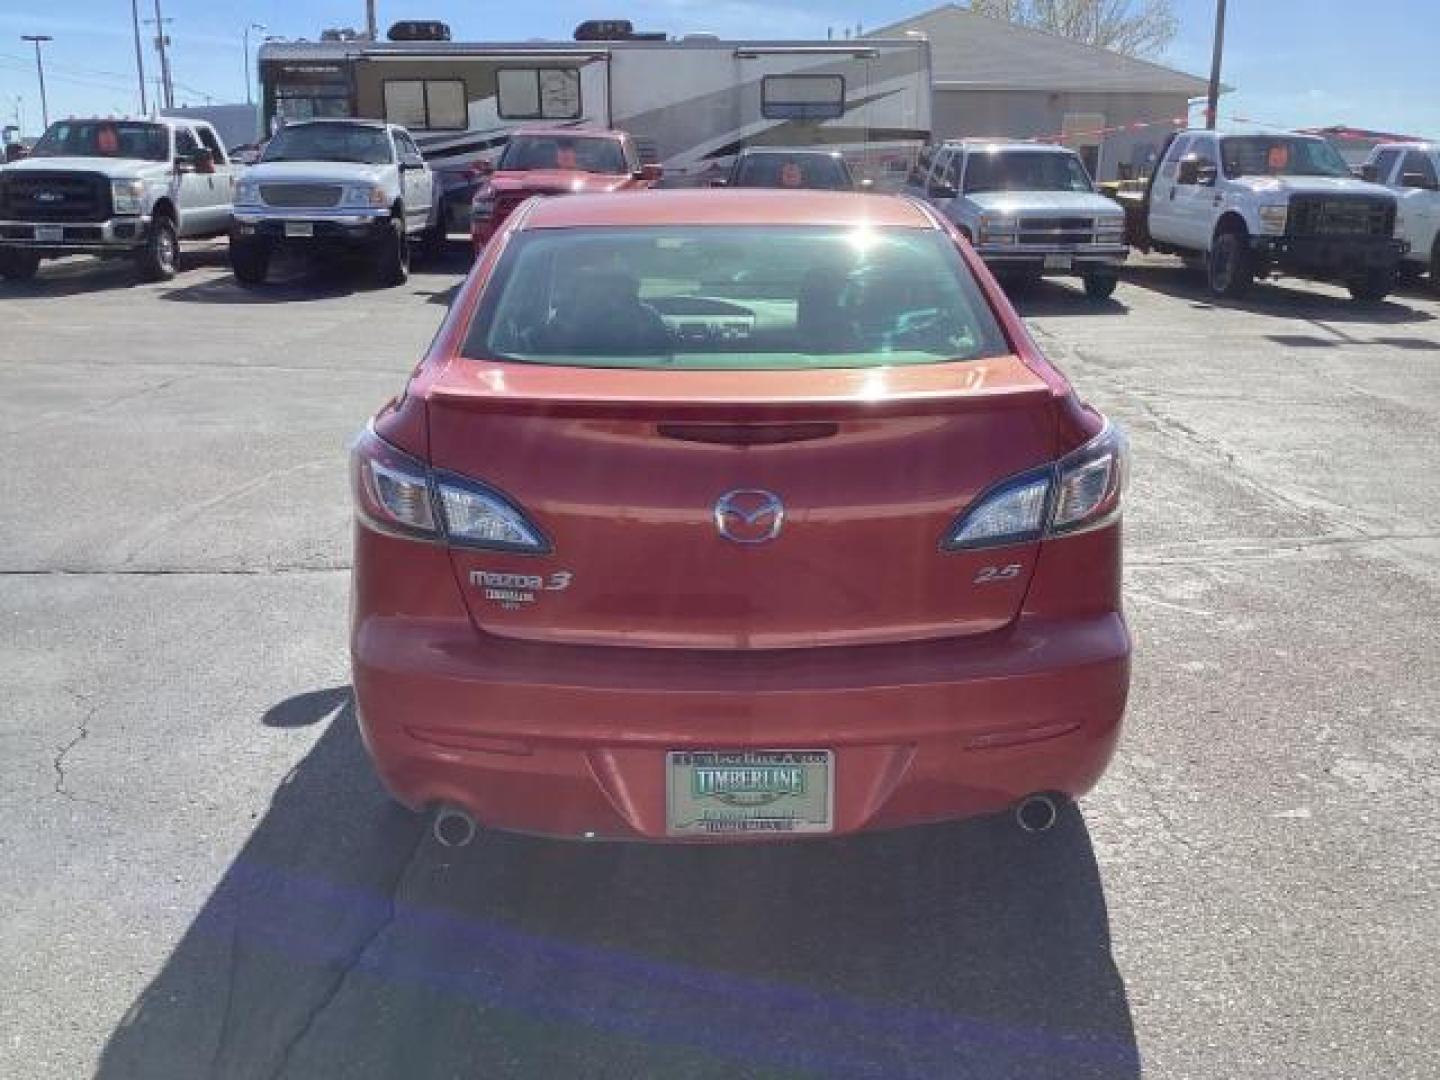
<point>399,495</point>
<point>1079,492</point>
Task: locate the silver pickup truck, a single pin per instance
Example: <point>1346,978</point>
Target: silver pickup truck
<point>111,187</point>
<point>1030,210</point>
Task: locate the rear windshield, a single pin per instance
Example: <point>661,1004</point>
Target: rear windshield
<point>1025,170</point>
<point>104,138</point>
<point>593,155</point>
<point>792,170</point>
<point>758,298</point>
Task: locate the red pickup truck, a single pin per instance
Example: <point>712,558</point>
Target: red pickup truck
<point>547,161</point>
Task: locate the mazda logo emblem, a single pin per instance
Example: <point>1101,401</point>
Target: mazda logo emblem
<point>749,516</point>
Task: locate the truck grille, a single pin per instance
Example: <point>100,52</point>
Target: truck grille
<point>307,196</point>
<point>1327,215</point>
<point>54,196</point>
<point>1057,230</point>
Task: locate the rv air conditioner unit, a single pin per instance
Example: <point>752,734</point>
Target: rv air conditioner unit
<point>419,30</point>
<point>604,30</point>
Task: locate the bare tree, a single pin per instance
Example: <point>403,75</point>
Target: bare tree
<point>1132,27</point>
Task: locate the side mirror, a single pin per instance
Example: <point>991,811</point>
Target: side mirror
<point>941,190</point>
<point>651,173</point>
<point>184,164</point>
<point>482,167</point>
<point>203,162</point>
<point>1370,172</point>
<point>1206,174</point>
<point>1193,170</point>
<point>1417,180</point>
<point>408,164</point>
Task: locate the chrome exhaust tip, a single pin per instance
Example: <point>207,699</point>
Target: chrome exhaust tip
<point>1036,813</point>
<point>453,827</point>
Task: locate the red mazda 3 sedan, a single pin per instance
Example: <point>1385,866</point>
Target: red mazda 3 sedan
<point>735,515</point>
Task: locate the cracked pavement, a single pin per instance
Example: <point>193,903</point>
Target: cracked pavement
<point>203,879</point>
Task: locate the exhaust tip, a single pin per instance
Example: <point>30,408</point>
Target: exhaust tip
<point>453,827</point>
<point>1037,813</point>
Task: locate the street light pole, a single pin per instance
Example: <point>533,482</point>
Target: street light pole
<point>38,39</point>
<point>1212,107</point>
<point>160,42</point>
<point>139,55</point>
<point>249,82</point>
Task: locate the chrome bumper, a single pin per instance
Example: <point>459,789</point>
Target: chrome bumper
<point>116,234</point>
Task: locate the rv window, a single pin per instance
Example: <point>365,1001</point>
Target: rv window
<point>432,104</point>
<point>802,97</point>
<point>538,93</point>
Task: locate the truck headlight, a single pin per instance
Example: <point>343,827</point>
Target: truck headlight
<point>1110,230</point>
<point>1273,218</point>
<point>366,195</point>
<point>997,229</point>
<point>127,196</point>
<point>247,193</point>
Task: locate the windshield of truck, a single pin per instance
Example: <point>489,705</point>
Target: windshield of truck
<point>331,142</point>
<point>1278,155</point>
<point>1024,170</point>
<point>525,152</point>
<point>104,138</point>
<point>746,298</point>
<point>792,170</point>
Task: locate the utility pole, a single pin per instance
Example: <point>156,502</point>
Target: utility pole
<point>39,39</point>
<point>249,82</point>
<point>1212,107</point>
<point>167,99</point>
<point>370,20</point>
<point>139,55</point>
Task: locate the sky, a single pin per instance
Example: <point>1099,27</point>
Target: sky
<point>1291,62</point>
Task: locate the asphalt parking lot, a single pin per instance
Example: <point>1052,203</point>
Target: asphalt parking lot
<point>202,878</point>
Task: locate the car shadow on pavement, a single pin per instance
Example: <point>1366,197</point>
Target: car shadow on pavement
<point>1288,298</point>
<point>1047,298</point>
<point>79,275</point>
<point>343,941</point>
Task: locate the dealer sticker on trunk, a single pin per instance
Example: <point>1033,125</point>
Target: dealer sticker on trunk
<point>514,591</point>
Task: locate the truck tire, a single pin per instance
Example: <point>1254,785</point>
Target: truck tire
<point>250,260</point>
<point>17,264</point>
<point>1435,266</point>
<point>1373,286</point>
<point>1230,269</point>
<point>156,259</point>
<point>1101,286</point>
<point>392,255</point>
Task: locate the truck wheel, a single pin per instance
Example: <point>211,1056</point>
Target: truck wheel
<point>1231,269</point>
<point>250,259</point>
<point>157,258</point>
<point>392,255</point>
<point>16,264</point>
<point>1101,286</point>
<point>1435,266</point>
<point>1373,287</point>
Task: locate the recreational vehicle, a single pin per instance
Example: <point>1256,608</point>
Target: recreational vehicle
<point>690,104</point>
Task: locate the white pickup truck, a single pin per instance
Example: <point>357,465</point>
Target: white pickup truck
<point>1257,205</point>
<point>356,185</point>
<point>1029,209</point>
<point>114,187</point>
<point>1412,172</point>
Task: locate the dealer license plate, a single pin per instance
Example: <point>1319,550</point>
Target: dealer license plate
<point>50,234</point>
<point>1058,262</point>
<point>299,228</point>
<point>749,792</point>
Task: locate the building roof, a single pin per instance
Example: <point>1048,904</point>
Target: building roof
<point>747,206</point>
<point>981,52</point>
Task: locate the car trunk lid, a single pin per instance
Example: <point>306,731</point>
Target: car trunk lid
<point>626,473</point>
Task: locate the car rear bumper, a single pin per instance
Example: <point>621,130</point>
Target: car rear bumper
<point>1329,256</point>
<point>118,234</point>
<point>572,741</point>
